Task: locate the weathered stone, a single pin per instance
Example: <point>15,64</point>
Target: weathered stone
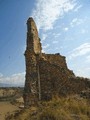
<point>33,49</point>
<point>47,74</point>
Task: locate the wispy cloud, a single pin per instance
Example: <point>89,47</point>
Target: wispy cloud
<point>48,11</point>
<point>80,51</point>
<point>56,34</point>
<point>77,8</point>
<point>83,71</point>
<point>44,36</point>
<point>76,21</point>
<point>15,79</point>
<point>45,46</point>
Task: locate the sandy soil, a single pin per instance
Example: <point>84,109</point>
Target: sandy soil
<point>6,108</point>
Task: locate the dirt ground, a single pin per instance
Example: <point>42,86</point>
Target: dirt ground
<point>6,108</point>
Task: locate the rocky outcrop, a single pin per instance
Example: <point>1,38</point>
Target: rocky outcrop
<point>47,74</point>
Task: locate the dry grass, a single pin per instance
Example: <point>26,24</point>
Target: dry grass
<point>70,108</point>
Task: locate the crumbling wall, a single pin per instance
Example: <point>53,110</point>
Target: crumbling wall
<point>47,74</point>
<point>57,79</point>
<point>53,75</point>
<point>33,49</point>
<point>58,60</point>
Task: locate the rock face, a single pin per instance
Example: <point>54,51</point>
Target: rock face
<point>47,74</point>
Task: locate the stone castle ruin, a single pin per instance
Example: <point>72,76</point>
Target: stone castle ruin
<point>47,74</point>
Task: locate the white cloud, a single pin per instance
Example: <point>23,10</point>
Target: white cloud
<point>43,51</point>
<point>80,51</point>
<point>45,46</point>
<point>56,34</point>
<point>44,36</point>
<point>66,29</point>
<point>15,79</point>
<point>76,21</point>
<point>83,71</point>
<point>48,11</point>
<point>77,8</point>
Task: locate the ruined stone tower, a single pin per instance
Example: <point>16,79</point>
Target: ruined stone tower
<point>47,74</point>
<point>33,51</point>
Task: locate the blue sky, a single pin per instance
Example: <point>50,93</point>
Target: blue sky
<point>63,27</point>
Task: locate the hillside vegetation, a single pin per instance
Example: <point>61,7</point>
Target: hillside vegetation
<point>10,93</point>
<point>70,108</point>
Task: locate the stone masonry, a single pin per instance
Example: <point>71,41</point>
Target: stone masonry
<point>47,74</point>
<point>33,51</point>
